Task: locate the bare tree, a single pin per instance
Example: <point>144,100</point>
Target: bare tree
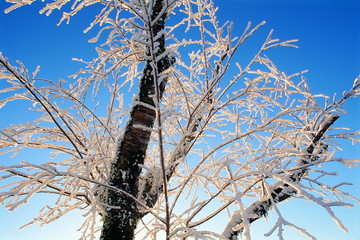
<point>202,128</point>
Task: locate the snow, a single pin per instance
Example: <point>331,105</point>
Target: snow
<point>229,133</point>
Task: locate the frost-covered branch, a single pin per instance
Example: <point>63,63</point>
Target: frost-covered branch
<point>44,102</point>
<point>131,150</point>
<point>171,119</point>
<point>281,191</point>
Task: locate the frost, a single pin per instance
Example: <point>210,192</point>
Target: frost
<point>220,139</point>
<point>144,104</point>
<point>142,127</point>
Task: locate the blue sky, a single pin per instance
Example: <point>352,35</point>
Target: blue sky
<point>329,41</point>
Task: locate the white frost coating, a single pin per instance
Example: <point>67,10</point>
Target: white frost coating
<point>233,225</point>
<point>123,174</point>
<point>142,41</point>
<point>327,206</point>
<point>6,64</point>
<point>144,104</point>
<point>282,222</point>
<point>329,119</point>
<point>228,131</point>
<point>159,35</point>
<point>162,55</point>
<point>161,78</point>
<point>142,127</point>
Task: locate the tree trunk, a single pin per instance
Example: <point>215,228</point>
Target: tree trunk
<point>121,214</point>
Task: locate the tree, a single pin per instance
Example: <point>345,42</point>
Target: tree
<point>131,168</point>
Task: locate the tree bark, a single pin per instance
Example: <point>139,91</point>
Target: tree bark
<point>122,214</point>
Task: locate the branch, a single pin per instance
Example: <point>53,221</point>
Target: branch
<point>280,191</point>
<point>131,151</point>
<point>57,189</point>
<point>45,103</point>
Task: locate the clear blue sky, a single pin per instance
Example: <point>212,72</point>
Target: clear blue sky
<point>329,41</point>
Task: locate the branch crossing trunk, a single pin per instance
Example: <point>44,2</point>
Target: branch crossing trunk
<point>122,213</point>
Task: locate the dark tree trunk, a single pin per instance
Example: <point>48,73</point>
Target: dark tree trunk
<point>122,212</point>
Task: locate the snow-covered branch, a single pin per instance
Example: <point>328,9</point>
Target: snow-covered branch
<point>173,119</point>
